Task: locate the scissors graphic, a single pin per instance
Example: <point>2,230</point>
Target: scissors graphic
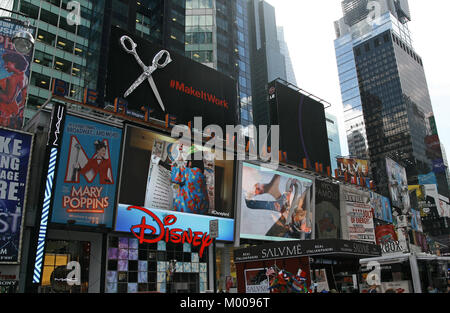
<point>148,70</point>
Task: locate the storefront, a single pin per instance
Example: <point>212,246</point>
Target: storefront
<point>327,264</point>
<point>407,272</point>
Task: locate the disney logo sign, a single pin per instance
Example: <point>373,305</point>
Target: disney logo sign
<point>175,235</point>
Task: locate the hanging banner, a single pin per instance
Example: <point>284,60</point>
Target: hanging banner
<point>14,76</point>
<point>381,207</point>
<point>328,224</point>
<point>398,185</point>
<point>87,173</point>
<point>15,158</point>
<point>358,224</point>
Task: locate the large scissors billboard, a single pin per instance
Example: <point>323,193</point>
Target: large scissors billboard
<point>87,173</point>
<point>147,79</point>
<point>15,156</point>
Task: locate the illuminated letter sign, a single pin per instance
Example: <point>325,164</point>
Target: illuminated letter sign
<point>174,235</point>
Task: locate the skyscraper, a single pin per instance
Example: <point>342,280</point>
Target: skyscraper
<point>334,142</point>
<point>267,61</point>
<point>290,74</point>
<point>384,91</point>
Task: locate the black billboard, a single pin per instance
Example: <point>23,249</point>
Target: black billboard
<point>303,129</point>
<point>327,211</point>
<point>295,249</point>
<point>187,89</point>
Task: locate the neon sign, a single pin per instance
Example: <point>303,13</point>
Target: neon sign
<point>175,235</point>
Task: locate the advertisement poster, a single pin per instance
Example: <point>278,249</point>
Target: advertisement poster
<point>431,206</point>
<point>416,221</point>
<point>428,179</point>
<point>359,216</point>
<point>87,173</point>
<point>15,156</point>
<point>396,287</point>
<point>177,179</point>
<point>275,205</point>
<point>353,167</point>
<point>186,88</point>
<point>381,207</point>
<point>444,207</point>
<point>256,281</point>
<point>328,223</point>
<point>385,234</point>
<point>321,280</point>
<point>14,76</point>
<point>398,185</point>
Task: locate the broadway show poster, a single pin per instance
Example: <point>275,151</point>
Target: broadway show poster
<point>328,224</point>
<point>385,234</point>
<point>275,205</point>
<point>14,76</point>
<point>165,177</point>
<point>381,207</point>
<point>15,156</point>
<point>398,185</point>
<point>87,173</point>
<point>359,223</point>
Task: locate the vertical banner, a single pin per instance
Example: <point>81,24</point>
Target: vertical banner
<point>327,217</point>
<point>359,217</point>
<point>398,186</point>
<point>15,157</point>
<point>53,146</point>
<point>14,76</point>
<point>87,173</point>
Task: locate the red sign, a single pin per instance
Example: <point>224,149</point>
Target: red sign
<point>175,235</point>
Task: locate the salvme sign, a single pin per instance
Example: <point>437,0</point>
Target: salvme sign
<point>290,249</point>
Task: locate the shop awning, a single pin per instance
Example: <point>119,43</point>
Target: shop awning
<point>292,249</point>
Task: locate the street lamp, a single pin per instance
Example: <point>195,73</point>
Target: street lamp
<point>23,40</point>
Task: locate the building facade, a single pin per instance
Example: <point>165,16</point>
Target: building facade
<point>384,90</point>
<point>334,142</point>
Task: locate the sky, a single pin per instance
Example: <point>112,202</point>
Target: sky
<point>309,33</point>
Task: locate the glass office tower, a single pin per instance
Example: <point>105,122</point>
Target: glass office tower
<point>334,142</point>
<point>386,101</point>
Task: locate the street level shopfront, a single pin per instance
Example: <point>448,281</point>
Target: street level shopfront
<point>326,264</point>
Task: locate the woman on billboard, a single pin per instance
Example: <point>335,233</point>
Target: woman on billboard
<point>100,163</point>
<point>191,196</point>
<point>13,90</point>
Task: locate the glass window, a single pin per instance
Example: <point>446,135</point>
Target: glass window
<point>62,65</point>
<point>49,17</point>
<point>46,37</point>
<point>63,24</point>
<point>29,9</point>
<point>65,44</point>
<point>43,58</point>
<point>39,80</point>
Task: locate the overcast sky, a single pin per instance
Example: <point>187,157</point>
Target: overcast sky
<point>309,33</point>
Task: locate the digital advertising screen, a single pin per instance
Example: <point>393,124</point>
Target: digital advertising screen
<point>87,173</point>
<point>185,88</point>
<point>171,178</point>
<point>15,158</point>
<point>303,129</point>
<point>275,205</point>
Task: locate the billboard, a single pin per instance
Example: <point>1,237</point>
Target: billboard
<point>398,185</point>
<point>172,178</point>
<point>381,207</point>
<point>87,173</point>
<point>275,205</point>
<point>15,158</point>
<point>358,222</point>
<point>444,206</point>
<point>431,206</point>
<point>327,211</point>
<point>428,179</point>
<point>186,88</point>
<point>416,221</point>
<point>14,76</point>
<point>353,167</point>
<point>303,129</point>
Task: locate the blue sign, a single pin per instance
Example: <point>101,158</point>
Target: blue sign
<point>126,219</point>
<point>428,179</point>
<point>15,156</point>
<point>86,182</point>
<point>439,166</point>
